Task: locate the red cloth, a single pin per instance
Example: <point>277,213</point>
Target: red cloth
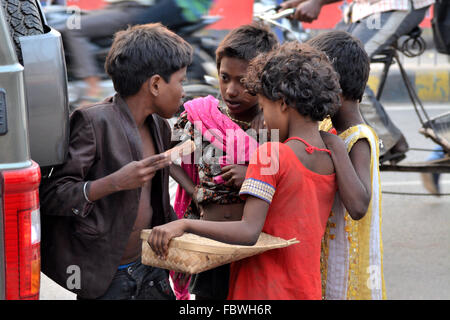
<point>333,131</point>
<point>300,207</point>
<point>220,130</point>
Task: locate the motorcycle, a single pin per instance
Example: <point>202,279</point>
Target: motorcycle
<point>204,63</point>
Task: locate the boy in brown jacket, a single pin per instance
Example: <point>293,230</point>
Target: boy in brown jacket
<point>115,180</point>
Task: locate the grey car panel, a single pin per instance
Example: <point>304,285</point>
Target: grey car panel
<point>35,106</point>
<point>14,147</point>
<point>2,253</point>
<point>47,98</point>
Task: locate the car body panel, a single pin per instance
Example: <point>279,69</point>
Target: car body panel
<point>47,98</point>
<point>14,145</point>
<point>35,107</point>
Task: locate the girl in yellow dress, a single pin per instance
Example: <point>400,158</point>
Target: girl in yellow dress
<point>352,249</point>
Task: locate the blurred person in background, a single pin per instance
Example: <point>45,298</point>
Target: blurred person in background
<point>117,15</point>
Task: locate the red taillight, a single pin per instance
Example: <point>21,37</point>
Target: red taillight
<point>22,232</point>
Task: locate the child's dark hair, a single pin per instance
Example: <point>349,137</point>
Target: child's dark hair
<point>142,51</point>
<point>246,42</point>
<point>349,59</point>
<point>300,75</point>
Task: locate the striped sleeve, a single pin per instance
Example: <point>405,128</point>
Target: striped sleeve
<point>262,173</point>
<point>258,189</point>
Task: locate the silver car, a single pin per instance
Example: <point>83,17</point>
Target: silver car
<point>34,116</point>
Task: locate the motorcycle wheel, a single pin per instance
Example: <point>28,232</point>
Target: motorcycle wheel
<point>23,19</point>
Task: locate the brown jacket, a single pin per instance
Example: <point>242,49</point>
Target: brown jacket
<point>91,238</point>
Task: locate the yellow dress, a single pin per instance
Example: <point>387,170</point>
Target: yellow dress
<point>352,251</point>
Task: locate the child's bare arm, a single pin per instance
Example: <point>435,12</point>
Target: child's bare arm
<point>244,232</point>
<point>182,178</point>
<point>353,174</point>
<point>176,172</point>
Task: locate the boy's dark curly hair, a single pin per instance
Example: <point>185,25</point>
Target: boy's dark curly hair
<point>300,75</point>
<point>349,59</point>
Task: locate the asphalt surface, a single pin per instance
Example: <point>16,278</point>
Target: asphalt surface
<point>416,229</point>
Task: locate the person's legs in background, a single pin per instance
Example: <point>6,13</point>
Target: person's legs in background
<point>431,180</point>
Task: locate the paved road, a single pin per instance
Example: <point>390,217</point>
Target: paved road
<point>416,230</point>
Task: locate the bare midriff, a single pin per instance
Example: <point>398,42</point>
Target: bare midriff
<point>143,221</point>
<point>145,210</point>
<point>223,212</point>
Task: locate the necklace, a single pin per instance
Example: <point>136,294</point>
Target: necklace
<point>236,120</point>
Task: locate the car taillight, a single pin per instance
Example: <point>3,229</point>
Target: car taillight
<point>22,232</point>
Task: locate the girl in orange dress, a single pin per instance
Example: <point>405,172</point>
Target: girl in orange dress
<point>290,183</point>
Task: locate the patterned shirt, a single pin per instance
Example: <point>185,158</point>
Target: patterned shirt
<point>208,166</point>
<point>364,8</point>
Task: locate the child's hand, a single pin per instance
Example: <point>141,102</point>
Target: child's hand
<point>234,175</point>
<point>332,141</point>
<point>196,203</point>
<point>136,173</point>
<point>160,237</point>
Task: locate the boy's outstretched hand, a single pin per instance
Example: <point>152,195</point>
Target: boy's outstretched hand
<point>160,237</point>
<point>131,176</point>
<point>135,174</point>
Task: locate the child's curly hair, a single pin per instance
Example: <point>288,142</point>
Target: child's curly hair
<point>300,75</point>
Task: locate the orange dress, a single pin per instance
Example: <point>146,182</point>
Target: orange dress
<point>300,204</point>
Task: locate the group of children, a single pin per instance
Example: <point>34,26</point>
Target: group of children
<point>319,187</point>
<point>324,191</point>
